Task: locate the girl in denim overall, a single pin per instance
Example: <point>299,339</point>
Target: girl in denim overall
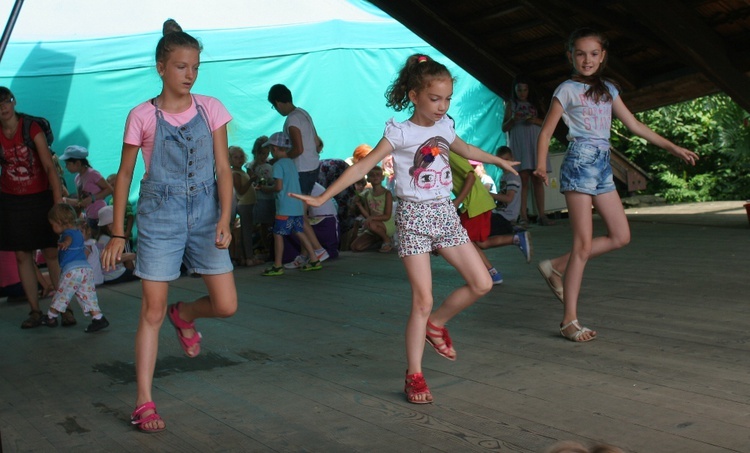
<point>184,209</point>
<point>586,103</point>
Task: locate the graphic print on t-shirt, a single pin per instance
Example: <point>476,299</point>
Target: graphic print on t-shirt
<point>431,166</point>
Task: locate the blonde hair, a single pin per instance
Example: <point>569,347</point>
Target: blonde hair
<point>63,214</point>
<point>237,148</point>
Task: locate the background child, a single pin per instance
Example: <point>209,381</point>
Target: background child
<point>289,211</point>
<point>203,193</point>
<point>376,206</point>
<point>522,121</point>
<point>425,217</point>
<point>508,202</point>
<point>91,187</point>
<point>474,203</point>
<point>261,174</point>
<point>245,193</point>
<point>77,276</point>
<point>586,175</point>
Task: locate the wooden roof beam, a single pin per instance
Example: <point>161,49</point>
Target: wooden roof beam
<point>694,43</point>
<point>481,62</point>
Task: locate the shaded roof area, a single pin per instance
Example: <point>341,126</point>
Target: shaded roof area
<point>661,51</point>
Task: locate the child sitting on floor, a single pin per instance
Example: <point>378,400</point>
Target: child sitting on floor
<point>377,209</point>
<point>76,276</point>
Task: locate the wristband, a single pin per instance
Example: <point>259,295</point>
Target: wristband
<point>119,237</point>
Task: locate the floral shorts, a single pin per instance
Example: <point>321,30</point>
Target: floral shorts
<point>428,227</point>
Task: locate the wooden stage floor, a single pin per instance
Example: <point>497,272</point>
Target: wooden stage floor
<point>314,362</point>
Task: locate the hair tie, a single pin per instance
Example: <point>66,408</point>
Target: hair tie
<point>422,59</point>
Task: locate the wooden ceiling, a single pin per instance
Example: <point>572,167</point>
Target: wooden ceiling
<point>661,51</point>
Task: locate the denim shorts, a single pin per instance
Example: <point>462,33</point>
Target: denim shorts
<point>178,226</point>
<point>307,180</point>
<point>586,169</point>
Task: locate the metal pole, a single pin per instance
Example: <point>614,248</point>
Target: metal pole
<point>9,27</point>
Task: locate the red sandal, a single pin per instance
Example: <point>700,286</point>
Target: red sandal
<point>138,419</point>
<point>414,386</point>
<point>173,313</point>
<point>434,334</point>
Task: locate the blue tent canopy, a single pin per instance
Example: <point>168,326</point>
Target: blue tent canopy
<point>85,71</point>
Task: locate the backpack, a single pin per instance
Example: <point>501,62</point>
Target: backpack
<point>28,140</point>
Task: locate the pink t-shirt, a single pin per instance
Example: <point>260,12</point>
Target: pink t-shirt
<point>87,185</point>
<point>140,128</point>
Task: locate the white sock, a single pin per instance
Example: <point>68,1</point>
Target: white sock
<point>51,314</point>
<point>98,317</point>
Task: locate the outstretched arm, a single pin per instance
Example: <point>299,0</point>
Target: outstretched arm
<point>350,175</point>
<point>471,152</point>
<point>641,130</point>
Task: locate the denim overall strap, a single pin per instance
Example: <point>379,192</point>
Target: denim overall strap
<point>183,155</point>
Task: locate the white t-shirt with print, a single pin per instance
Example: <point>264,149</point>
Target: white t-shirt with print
<point>420,159</point>
<point>585,119</point>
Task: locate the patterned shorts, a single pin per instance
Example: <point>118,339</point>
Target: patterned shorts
<point>77,282</point>
<point>286,225</point>
<point>428,227</point>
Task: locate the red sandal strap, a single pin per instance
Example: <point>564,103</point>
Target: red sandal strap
<point>137,418</point>
<point>447,344</point>
<point>174,316</point>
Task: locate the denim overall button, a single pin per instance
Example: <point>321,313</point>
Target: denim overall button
<point>190,162</point>
<point>190,175</point>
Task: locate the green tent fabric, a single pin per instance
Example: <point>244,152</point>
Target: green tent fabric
<point>336,56</point>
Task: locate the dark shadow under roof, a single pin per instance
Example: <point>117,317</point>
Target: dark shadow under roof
<point>661,52</point>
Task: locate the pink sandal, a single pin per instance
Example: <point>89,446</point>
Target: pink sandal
<point>138,419</point>
<point>415,385</point>
<point>173,313</point>
<point>445,348</point>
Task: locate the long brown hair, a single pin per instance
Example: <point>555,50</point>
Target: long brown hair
<point>598,90</point>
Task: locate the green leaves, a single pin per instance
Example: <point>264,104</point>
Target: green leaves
<point>714,127</point>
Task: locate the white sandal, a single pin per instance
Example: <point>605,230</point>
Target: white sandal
<point>546,269</point>
<point>577,334</point>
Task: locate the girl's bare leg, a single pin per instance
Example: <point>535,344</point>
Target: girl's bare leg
<point>468,263</point>
<point>153,310</point>
<point>572,264</point>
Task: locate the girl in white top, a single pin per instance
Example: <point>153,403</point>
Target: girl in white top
<point>425,218</point>
<point>586,103</point>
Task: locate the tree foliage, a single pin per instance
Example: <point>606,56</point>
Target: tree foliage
<point>714,127</point>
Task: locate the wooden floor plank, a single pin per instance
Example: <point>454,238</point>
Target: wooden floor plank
<point>315,361</point>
